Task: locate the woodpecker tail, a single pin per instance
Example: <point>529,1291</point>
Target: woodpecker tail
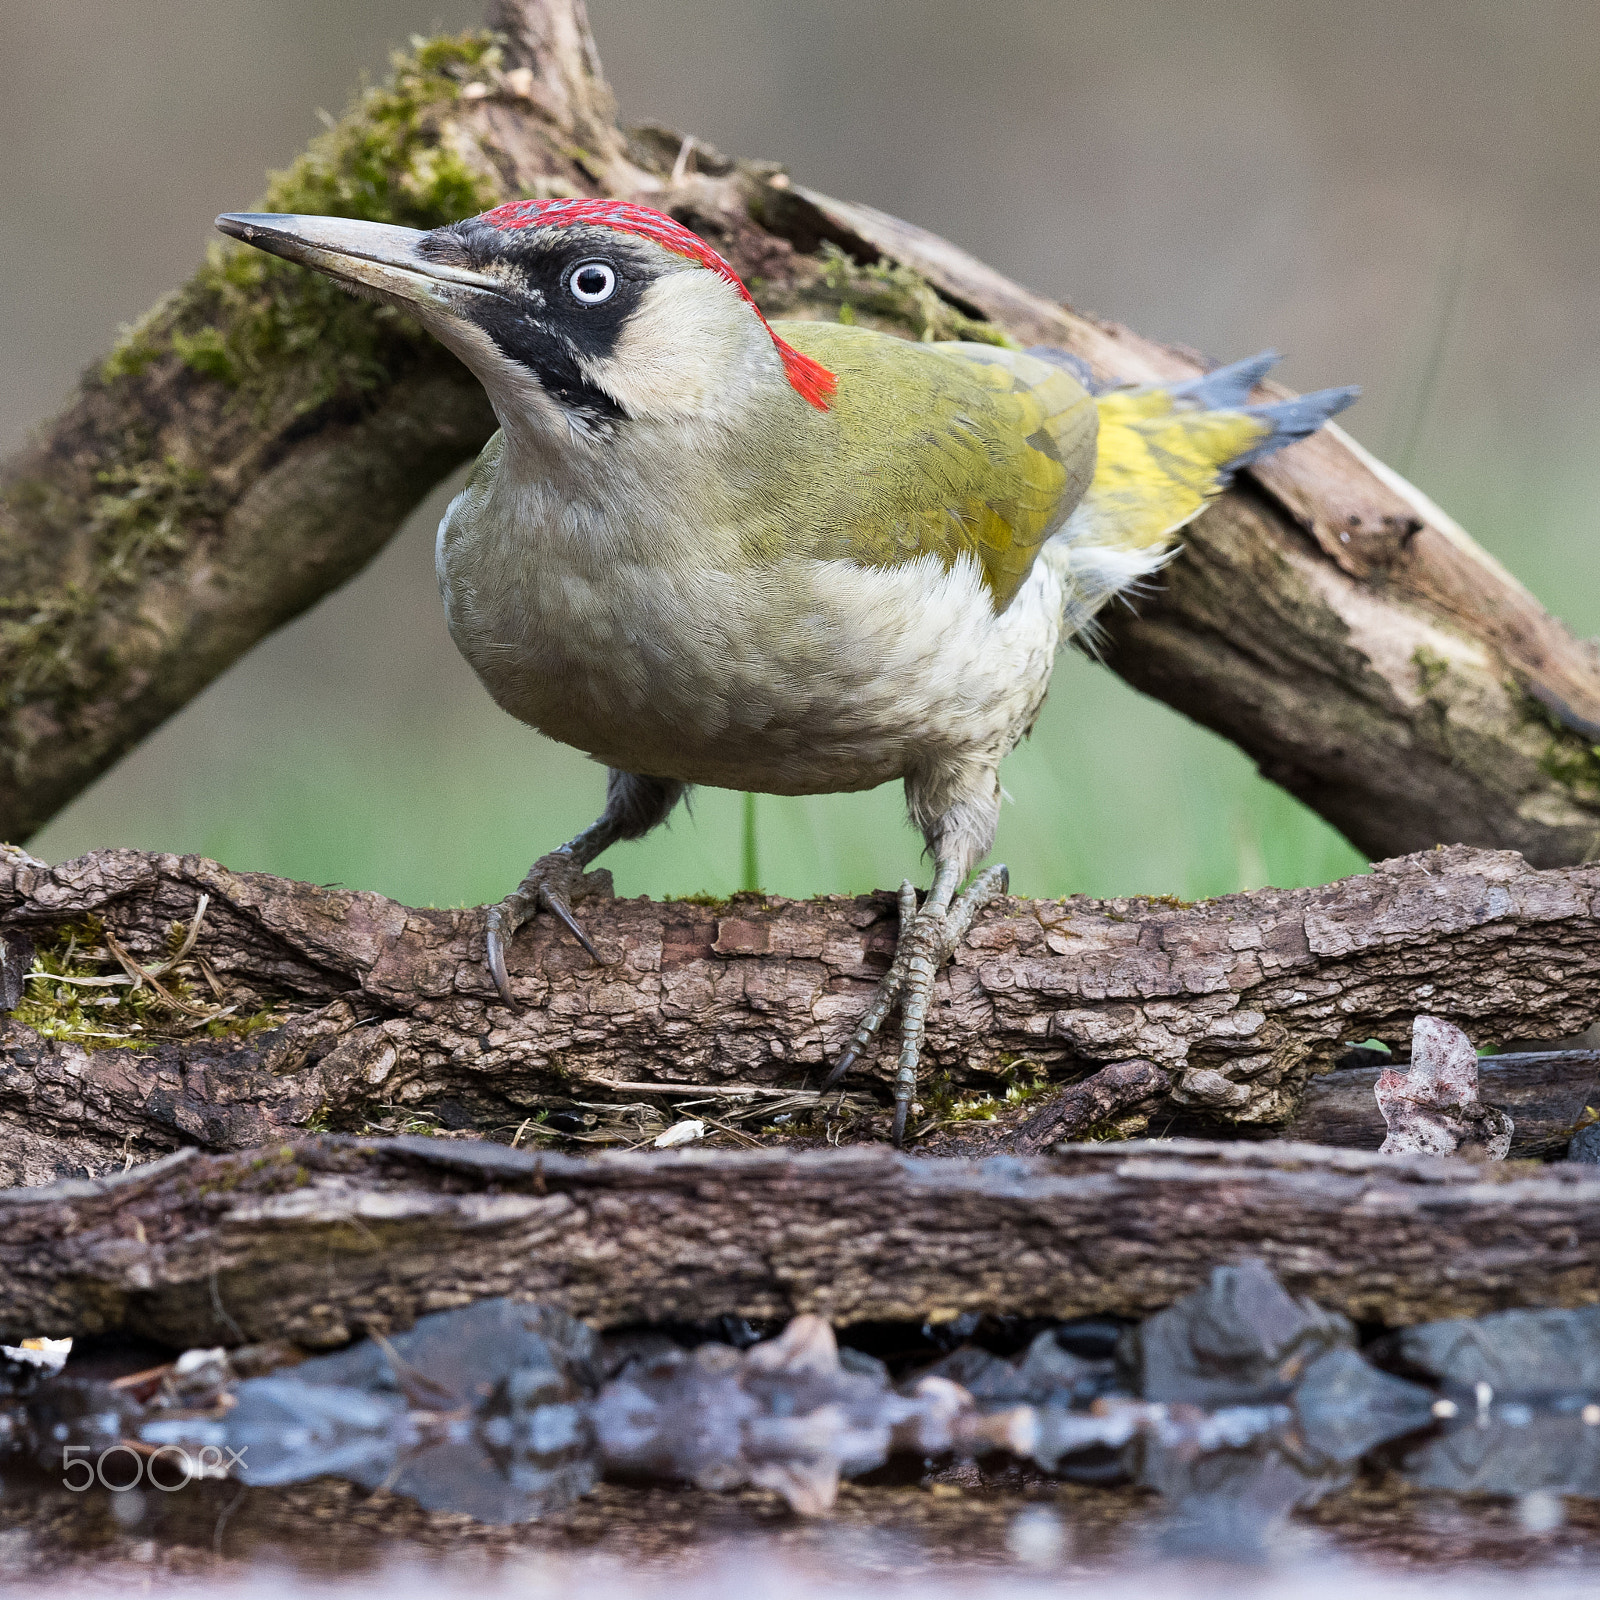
<point>1164,453</point>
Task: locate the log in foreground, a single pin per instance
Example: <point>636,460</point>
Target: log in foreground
<point>317,1240</point>
<point>299,1008</point>
<point>255,439</point>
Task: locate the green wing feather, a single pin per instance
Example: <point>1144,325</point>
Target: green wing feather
<point>954,449</point>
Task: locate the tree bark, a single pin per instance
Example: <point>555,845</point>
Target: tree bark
<point>343,1010</point>
<point>257,438</point>
<point>317,1240</point>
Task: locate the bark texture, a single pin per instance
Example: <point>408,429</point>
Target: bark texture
<point>258,436</point>
<point>317,1240</point>
<point>375,1016</point>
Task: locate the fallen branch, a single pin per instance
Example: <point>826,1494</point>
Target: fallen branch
<point>367,1015</point>
<point>1110,1093</point>
<point>257,437</point>
<point>317,1240</point>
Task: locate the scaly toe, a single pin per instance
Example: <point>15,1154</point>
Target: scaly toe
<point>553,881</point>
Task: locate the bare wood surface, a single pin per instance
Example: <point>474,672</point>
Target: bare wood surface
<point>212,479</point>
<point>316,1240</point>
<point>381,1014</point>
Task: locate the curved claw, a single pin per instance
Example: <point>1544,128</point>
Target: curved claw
<point>843,1065</point>
<point>518,908</point>
<point>897,1134</point>
<point>495,955</point>
<point>553,902</point>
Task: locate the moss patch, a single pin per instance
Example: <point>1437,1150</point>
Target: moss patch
<point>77,992</point>
<point>1431,668</point>
<point>256,323</point>
<point>1568,758</point>
<point>143,513</point>
<point>884,295</point>
<point>1024,1081</point>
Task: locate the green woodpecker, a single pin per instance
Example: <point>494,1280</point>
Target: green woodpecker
<point>797,558</point>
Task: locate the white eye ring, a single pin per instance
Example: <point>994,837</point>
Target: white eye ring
<point>585,290</point>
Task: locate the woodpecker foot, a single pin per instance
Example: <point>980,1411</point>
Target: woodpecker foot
<point>552,884</point>
<point>928,938</point>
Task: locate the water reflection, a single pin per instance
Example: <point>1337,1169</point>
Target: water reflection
<point>1239,1407</point>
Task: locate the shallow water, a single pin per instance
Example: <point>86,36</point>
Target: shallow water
<point>1237,1440</point>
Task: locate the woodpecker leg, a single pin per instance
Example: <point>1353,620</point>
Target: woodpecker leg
<point>634,806</point>
<point>928,938</point>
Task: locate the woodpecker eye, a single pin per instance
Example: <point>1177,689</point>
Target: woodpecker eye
<point>592,282</point>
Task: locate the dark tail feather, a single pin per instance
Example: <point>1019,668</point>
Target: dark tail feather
<point>1228,388</point>
<point>1294,419</point>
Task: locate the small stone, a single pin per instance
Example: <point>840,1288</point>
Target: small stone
<point>1242,1338</point>
<point>1518,1355</point>
<point>1585,1145</point>
<point>680,1133</point>
<point>1347,1407</point>
<point>1541,1512</point>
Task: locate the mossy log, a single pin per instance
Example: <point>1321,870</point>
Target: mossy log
<point>292,1008</point>
<point>317,1240</point>
<point>258,436</point>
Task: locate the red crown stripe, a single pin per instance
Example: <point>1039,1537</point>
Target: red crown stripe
<point>812,381</point>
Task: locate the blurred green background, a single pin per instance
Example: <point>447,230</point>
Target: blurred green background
<point>1404,197</point>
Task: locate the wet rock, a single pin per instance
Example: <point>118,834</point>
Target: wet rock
<point>1346,1407</point>
<point>1242,1338</point>
<point>1511,1452</point>
<point>1230,1506</point>
<point>1051,1434</point>
<point>1585,1145</point>
<point>1433,1108</point>
<point>1518,1354</point>
<point>786,1414</point>
<point>43,1412</point>
<point>1046,1374</point>
<point>479,1410</point>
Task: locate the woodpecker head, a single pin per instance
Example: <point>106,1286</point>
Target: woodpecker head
<point>578,315</point>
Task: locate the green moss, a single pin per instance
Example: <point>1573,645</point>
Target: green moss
<point>206,352</point>
<point>1575,764</point>
<point>139,343</point>
<point>244,1027</point>
<point>115,1016</point>
<point>1568,758</point>
<point>699,898</point>
<point>1024,1081</point>
<point>891,296</point>
<point>282,334</point>
<point>1431,667</point>
<point>141,517</point>
<point>1101,1133</point>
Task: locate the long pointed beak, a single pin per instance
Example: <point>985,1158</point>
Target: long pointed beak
<point>375,256</point>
